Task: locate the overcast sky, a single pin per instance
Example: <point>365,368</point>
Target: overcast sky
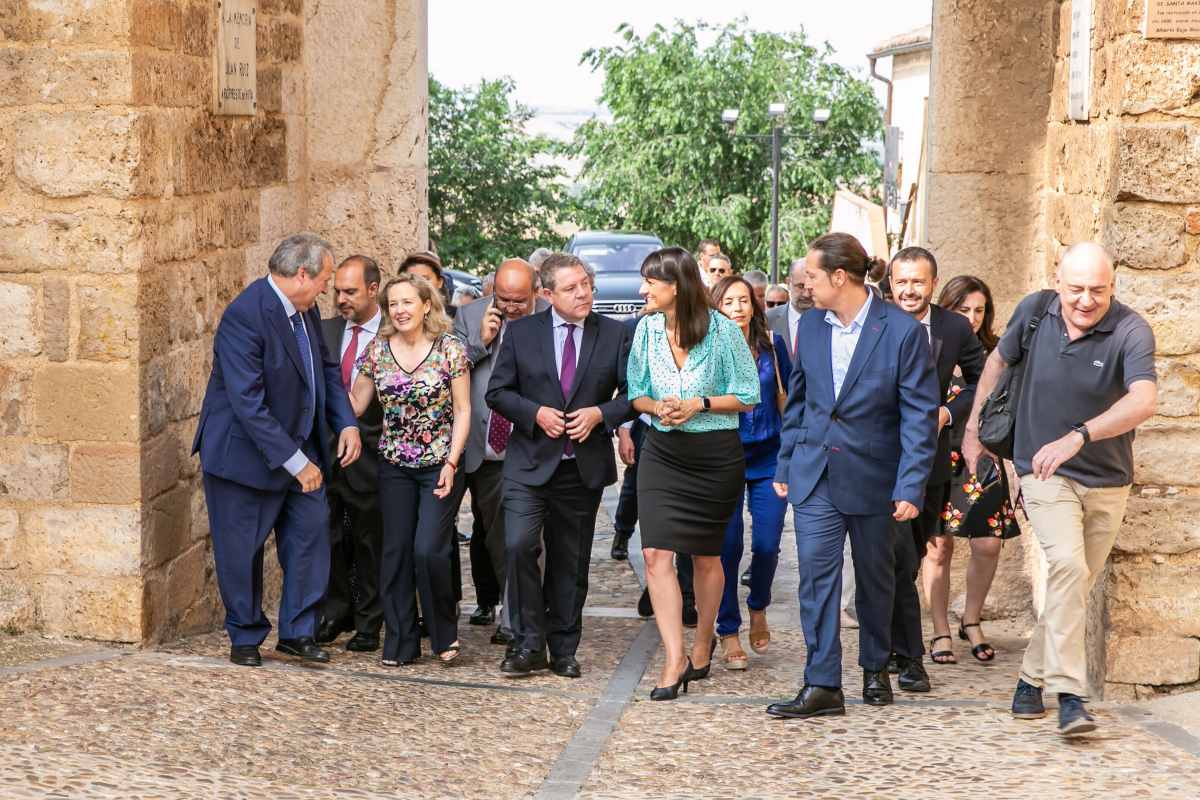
<point>538,42</point>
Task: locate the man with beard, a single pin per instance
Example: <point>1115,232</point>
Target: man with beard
<point>784,320</point>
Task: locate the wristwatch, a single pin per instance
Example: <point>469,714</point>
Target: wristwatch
<point>1082,429</point>
<point>707,403</point>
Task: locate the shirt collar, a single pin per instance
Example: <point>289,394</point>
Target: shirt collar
<point>792,314</point>
<point>288,308</point>
<point>859,320</point>
<point>371,326</point>
<point>559,321</point>
<point>927,320</point>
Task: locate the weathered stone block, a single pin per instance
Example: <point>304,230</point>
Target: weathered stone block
<point>167,526</point>
<point>291,90</point>
<point>1156,75</point>
<point>108,329</point>
<point>65,21</point>
<point>157,23</point>
<point>1192,223</point>
<point>56,317</point>
<point>98,237</point>
<point>1144,236</point>
<point>170,79</point>
<point>173,386</point>
<point>281,212</point>
<point>105,473</point>
<point>16,401</point>
<point>1072,217</point>
<point>1167,453</point>
<point>1156,660</point>
<point>19,307</point>
<point>1159,297</point>
<point>1145,597</point>
<point>17,609</point>
<point>72,153</point>
<point>229,152</point>
<point>32,471</point>
<point>1159,161</point>
<point>1112,18</point>
<point>42,75</point>
<point>270,87</point>
<point>86,402</point>
<point>198,32</point>
<point>1080,158</point>
<point>109,609</point>
<point>1160,524</point>
<point>159,464</point>
<point>92,541</point>
<point>10,529</point>
<point>1178,387</point>
<point>280,40</point>
<point>281,6</point>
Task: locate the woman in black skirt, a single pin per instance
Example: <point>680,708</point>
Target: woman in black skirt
<point>691,369</point>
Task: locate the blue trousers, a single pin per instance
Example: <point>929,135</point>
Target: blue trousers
<point>820,534</point>
<point>767,511</point>
<point>240,519</point>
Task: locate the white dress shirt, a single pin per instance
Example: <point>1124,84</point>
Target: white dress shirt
<point>793,325</point>
<point>843,341</point>
<point>370,329</point>
<point>297,461</point>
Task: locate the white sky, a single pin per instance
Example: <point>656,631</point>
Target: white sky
<point>538,42</point>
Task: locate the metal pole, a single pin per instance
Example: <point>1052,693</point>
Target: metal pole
<point>775,157</point>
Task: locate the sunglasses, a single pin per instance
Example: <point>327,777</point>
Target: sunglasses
<point>774,303</point>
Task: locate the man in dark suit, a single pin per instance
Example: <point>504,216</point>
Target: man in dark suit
<point>560,380</point>
<point>483,326</point>
<point>272,386</point>
<point>784,320</point>
<point>857,445</point>
<point>355,521</point>
<point>953,344</point>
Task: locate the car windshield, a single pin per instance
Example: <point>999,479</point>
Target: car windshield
<point>615,256</point>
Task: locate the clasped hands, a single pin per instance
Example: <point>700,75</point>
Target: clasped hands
<point>577,425</point>
<point>673,412</point>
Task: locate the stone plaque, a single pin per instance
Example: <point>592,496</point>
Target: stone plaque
<point>1172,19</point>
<point>236,84</point>
<point>1080,80</point>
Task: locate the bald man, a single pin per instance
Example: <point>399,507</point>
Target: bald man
<point>481,325</point>
<point>1091,359</point>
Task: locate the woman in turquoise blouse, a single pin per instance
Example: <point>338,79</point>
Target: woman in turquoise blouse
<point>691,369</point>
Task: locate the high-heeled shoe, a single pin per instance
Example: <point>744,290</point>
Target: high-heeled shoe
<point>672,692</point>
<point>701,674</point>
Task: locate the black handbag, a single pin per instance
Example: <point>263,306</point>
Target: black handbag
<point>998,417</point>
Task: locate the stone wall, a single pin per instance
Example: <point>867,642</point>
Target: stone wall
<point>129,216</point>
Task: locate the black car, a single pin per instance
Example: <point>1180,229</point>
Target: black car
<point>617,259</point>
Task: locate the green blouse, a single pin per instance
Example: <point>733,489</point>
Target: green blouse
<point>721,364</point>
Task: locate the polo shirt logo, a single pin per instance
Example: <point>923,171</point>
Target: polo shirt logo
<point>1097,363</point>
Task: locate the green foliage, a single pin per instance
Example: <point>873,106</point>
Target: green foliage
<point>494,192</point>
<point>666,164</point>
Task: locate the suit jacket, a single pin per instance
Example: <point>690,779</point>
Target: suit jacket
<point>520,385</point>
<point>777,321</point>
<point>483,359</point>
<point>953,344</point>
<point>876,439</point>
<point>258,409</point>
<point>357,484</point>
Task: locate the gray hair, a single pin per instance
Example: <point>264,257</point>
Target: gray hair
<point>305,251</point>
<point>556,261</point>
<point>540,255</point>
<point>756,278</point>
<point>721,257</point>
<point>488,282</point>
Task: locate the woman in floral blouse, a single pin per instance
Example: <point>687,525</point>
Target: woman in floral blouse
<point>422,376</point>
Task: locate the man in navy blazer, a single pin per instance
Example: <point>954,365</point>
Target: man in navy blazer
<point>858,441</point>
<point>262,451</point>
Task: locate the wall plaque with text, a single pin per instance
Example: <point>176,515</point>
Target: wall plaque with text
<point>1079,83</point>
<point>1172,19</point>
<point>235,60</point>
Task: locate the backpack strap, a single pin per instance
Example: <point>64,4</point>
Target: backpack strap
<point>1045,297</point>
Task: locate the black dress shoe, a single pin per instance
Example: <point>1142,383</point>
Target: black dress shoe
<point>330,629</point>
<point>645,607</point>
<point>893,665</point>
<point>363,642</point>
<point>524,662</point>
<point>813,701</point>
<point>620,546</point>
<point>877,688</point>
<point>484,615</point>
<point>745,579</point>
<point>690,617</point>
<point>304,647</point>
<point>245,655</point>
<point>566,667</point>
<point>502,636</point>
<point>913,677</point>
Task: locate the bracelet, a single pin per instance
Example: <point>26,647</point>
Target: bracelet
<point>451,465</point>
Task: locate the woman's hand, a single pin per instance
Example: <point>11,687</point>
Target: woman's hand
<point>445,482</point>
<point>683,410</point>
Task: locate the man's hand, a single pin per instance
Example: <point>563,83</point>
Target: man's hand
<point>1055,454</point>
<point>489,326</point>
<point>581,422</point>
<point>625,447</point>
<point>349,447</point>
<point>973,450</point>
<point>904,511</point>
<point>310,477</point>
<point>781,489</point>
<point>550,420</point>
<point>943,418</point>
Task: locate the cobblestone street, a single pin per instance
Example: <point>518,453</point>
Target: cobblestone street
<point>179,721</point>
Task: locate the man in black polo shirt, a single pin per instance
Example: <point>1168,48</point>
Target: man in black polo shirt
<point>1089,382</point>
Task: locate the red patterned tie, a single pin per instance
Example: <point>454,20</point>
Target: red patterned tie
<point>499,429</point>
<point>349,356</point>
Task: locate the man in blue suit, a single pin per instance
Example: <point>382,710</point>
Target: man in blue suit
<point>262,451</point>
<point>858,442</point>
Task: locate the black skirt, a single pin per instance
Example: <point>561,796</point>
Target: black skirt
<point>688,487</point>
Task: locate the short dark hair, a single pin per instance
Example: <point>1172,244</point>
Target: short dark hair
<point>370,269</point>
<point>842,251</point>
<point>422,257</point>
<point>707,243</point>
<point>692,301</point>
<point>915,254</point>
<point>556,261</point>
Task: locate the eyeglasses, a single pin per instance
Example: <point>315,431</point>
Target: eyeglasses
<point>774,303</point>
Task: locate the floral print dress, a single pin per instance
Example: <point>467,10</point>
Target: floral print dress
<point>979,505</point>
<point>418,411</point>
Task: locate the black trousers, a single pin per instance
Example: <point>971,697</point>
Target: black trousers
<point>355,543</point>
<point>562,512</point>
<point>487,534</point>
<point>418,540</point>
<point>911,538</point>
<point>627,513</point>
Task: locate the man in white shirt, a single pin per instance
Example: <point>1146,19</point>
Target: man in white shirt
<point>783,320</point>
<point>355,524</point>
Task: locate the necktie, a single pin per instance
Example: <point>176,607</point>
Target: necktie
<point>349,356</point>
<point>567,375</point>
<point>499,429</point>
<point>305,348</point>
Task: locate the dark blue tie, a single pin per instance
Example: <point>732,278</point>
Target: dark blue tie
<point>305,348</point>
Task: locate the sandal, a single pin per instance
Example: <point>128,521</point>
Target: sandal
<point>942,656</point>
<point>983,651</point>
<point>449,655</point>
<point>732,654</point>
<point>760,634</point>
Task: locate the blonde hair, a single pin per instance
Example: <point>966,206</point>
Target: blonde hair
<point>435,323</point>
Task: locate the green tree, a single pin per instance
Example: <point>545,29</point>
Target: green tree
<point>494,191</point>
<point>666,164</point>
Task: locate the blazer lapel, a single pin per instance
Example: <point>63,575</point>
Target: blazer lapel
<point>590,333</point>
<point>283,327</point>
<point>868,338</point>
<point>824,360</point>
<point>547,337</point>
<point>937,335</point>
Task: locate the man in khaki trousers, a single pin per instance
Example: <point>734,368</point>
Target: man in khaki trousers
<point>1089,382</point>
